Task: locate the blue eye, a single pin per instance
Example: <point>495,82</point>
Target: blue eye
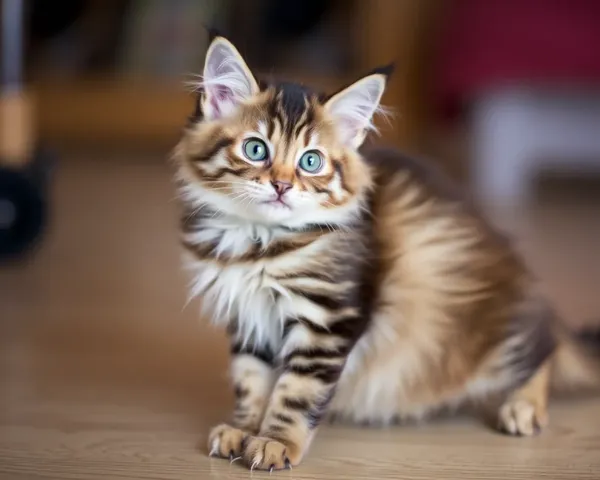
<point>311,161</point>
<point>255,150</point>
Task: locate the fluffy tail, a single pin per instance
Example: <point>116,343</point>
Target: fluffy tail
<point>576,363</point>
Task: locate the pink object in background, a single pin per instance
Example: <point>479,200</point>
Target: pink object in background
<point>526,75</point>
<point>487,44</point>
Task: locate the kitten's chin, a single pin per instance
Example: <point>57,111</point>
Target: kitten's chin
<point>274,212</point>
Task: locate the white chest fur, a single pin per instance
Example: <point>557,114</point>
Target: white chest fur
<point>248,291</point>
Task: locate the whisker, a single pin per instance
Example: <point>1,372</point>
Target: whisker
<point>195,211</point>
<point>250,200</point>
<point>247,186</point>
<point>242,197</point>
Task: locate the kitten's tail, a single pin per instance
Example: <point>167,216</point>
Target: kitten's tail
<point>576,362</point>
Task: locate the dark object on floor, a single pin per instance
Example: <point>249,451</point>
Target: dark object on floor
<point>23,205</point>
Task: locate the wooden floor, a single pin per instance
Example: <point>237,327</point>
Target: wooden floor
<point>104,374</point>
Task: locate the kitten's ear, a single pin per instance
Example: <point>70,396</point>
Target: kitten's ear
<point>227,80</point>
<point>353,108</point>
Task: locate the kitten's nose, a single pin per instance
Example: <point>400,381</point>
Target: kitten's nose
<point>281,187</point>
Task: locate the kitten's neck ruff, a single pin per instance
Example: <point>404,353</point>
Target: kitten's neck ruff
<point>230,234</point>
<point>234,235</point>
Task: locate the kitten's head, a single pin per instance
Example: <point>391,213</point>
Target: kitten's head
<point>276,154</point>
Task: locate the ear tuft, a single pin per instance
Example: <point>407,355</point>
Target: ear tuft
<point>386,70</point>
<point>213,33</point>
<point>354,107</point>
<point>227,80</point>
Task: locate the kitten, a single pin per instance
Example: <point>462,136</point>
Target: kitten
<point>352,284</point>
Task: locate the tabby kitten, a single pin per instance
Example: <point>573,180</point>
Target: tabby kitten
<point>352,286</point>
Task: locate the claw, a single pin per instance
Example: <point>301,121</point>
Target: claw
<point>233,460</point>
<point>213,452</point>
<point>231,455</point>
<point>256,462</point>
<point>271,468</point>
<point>288,464</point>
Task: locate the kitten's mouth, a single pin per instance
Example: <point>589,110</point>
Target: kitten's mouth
<point>278,202</point>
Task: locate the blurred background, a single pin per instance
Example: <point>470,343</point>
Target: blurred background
<point>504,95</point>
<point>503,91</point>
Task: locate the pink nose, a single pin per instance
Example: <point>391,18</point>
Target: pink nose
<point>281,187</point>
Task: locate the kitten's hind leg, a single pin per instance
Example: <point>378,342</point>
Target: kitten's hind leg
<point>525,411</point>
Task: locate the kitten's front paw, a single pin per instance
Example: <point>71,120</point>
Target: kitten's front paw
<point>262,453</point>
<point>226,442</point>
<point>522,418</point>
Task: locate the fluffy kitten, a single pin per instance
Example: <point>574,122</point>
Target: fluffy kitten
<point>353,284</point>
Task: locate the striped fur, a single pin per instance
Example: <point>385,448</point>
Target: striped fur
<point>374,293</point>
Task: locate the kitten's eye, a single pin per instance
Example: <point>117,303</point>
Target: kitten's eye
<point>311,161</point>
<point>255,150</point>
